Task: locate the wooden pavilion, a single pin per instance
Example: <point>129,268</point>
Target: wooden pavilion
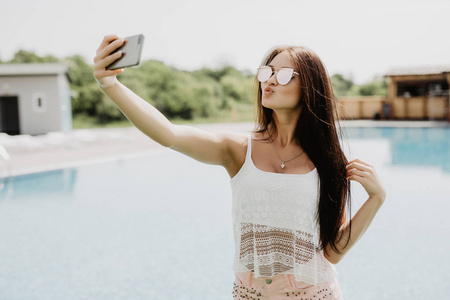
<point>418,94</point>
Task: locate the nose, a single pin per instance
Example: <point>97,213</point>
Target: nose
<point>272,79</point>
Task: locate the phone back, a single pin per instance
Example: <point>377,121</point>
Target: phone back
<point>131,53</point>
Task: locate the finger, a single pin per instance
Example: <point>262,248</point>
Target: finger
<point>106,41</point>
<point>357,179</point>
<point>110,48</point>
<point>356,165</point>
<point>362,162</point>
<point>100,65</point>
<point>357,172</point>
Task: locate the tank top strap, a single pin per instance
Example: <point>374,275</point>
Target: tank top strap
<point>249,147</point>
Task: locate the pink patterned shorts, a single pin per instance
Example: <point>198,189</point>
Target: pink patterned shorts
<point>282,287</point>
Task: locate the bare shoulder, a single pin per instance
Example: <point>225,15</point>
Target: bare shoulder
<point>218,147</point>
<point>210,147</point>
<point>236,142</point>
<point>234,138</point>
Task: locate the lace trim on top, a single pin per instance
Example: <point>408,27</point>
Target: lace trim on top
<point>274,224</point>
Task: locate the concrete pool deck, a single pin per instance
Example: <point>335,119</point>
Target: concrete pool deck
<point>56,150</point>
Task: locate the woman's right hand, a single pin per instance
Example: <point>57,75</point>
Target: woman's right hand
<point>104,58</point>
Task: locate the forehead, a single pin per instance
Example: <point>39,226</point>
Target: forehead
<point>283,59</point>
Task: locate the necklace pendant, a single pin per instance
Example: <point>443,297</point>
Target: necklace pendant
<point>282,165</point>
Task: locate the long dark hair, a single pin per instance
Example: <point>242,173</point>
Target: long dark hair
<point>317,132</point>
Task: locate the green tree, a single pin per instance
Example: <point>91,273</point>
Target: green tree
<point>88,99</point>
<point>377,87</point>
<point>24,56</point>
<point>86,94</point>
<point>345,87</point>
<point>176,93</point>
<point>341,85</point>
<point>236,85</point>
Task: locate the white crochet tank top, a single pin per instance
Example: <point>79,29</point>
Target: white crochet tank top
<point>274,225</point>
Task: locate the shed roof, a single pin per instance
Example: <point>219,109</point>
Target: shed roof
<point>33,69</point>
<point>423,70</point>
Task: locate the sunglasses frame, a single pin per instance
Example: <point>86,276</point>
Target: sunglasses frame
<point>276,72</point>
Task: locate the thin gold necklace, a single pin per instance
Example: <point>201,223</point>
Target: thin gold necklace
<point>283,162</point>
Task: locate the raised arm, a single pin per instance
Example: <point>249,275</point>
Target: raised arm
<point>211,148</point>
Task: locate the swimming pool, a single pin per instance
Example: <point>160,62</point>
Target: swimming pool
<point>159,227</point>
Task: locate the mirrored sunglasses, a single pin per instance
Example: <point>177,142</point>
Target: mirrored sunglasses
<point>284,75</point>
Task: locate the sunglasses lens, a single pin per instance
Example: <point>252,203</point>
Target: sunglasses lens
<point>264,73</point>
<point>284,76</point>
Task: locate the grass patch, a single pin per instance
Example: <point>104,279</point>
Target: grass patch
<point>86,122</point>
<point>240,112</point>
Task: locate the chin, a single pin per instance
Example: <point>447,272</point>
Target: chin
<point>266,104</point>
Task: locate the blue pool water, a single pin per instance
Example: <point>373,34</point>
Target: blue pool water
<point>159,227</point>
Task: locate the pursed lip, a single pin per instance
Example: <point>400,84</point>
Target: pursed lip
<point>268,90</point>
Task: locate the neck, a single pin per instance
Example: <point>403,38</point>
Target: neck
<point>286,123</point>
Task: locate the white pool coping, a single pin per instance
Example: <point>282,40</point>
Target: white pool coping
<point>59,150</point>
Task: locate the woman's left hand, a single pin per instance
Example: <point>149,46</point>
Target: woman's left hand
<point>365,174</point>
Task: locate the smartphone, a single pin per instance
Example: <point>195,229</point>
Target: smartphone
<point>131,53</point>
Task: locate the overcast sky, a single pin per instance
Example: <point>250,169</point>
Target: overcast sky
<point>357,38</point>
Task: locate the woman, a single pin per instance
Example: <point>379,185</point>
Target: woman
<point>290,179</point>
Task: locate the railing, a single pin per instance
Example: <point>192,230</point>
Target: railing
<point>361,107</point>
